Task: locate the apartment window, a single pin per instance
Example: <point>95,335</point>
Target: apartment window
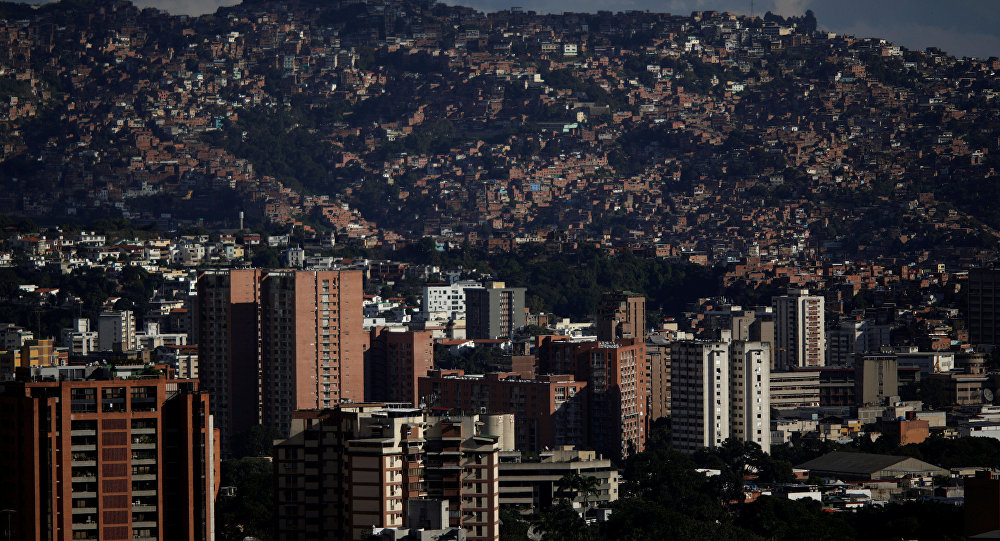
<point>83,425</point>
<point>83,400</point>
<point>113,399</point>
<point>143,423</point>
<point>143,398</point>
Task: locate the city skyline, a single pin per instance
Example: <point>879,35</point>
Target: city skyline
<point>318,269</point>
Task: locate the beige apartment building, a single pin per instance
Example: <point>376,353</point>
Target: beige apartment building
<point>348,469</point>
<point>621,315</point>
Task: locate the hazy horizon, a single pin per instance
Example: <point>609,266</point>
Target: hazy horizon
<point>959,27</point>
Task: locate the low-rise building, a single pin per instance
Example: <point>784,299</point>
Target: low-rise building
<point>535,484</point>
<point>79,339</point>
<point>791,390</point>
<point>868,466</point>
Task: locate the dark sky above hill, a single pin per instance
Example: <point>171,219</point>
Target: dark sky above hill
<point>960,27</point>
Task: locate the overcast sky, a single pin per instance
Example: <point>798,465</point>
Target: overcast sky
<point>960,27</point>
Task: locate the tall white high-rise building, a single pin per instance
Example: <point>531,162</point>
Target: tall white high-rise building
<point>750,393</point>
<point>720,390</point>
<point>699,394</point>
<point>799,334</point>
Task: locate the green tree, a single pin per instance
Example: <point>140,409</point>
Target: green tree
<point>265,257</point>
<point>256,441</point>
<point>573,485</point>
<point>783,519</point>
<point>562,523</point>
<point>513,527</point>
<point>247,513</point>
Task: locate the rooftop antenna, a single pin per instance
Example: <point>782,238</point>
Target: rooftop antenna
<point>751,9</point>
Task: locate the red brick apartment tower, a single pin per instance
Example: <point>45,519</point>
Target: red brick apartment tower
<point>229,348</point>
<point>394,363</point>
<point>274,341</point>
<point>557,354</point>
<point>616,376</point>
<point>112,459</point>
<point>312,353</point>
<point>549,411</point>
<point>621,315</point>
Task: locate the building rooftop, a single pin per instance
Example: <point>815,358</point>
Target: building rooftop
<point>868,464</point>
